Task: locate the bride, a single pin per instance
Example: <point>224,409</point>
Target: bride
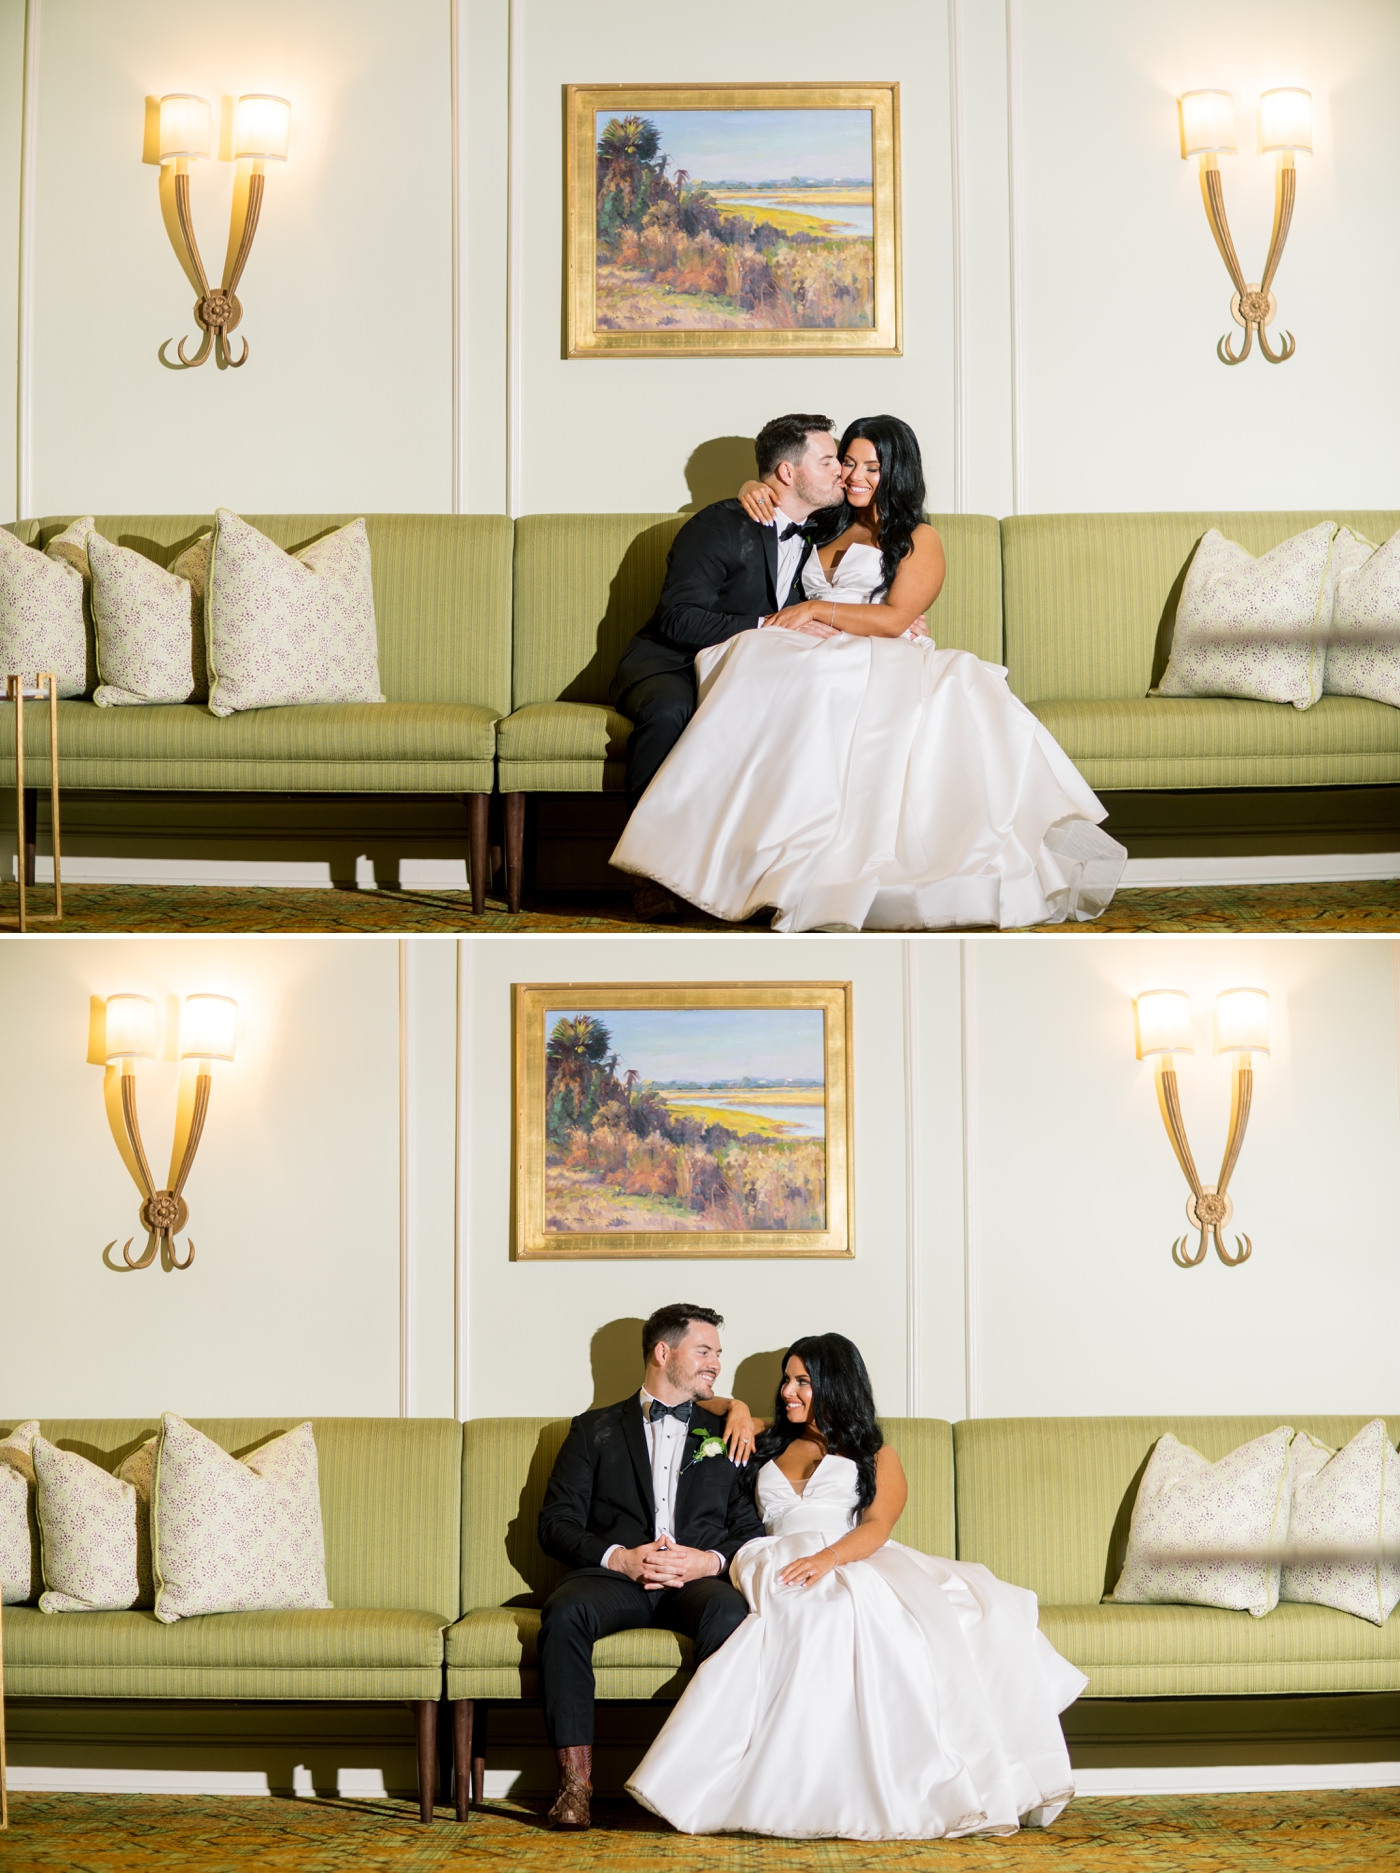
<point>845,770</point>
<point>873,1693</point>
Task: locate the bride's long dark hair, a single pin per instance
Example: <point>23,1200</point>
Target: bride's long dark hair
<point>843,1408</point>
<point>899,498</point>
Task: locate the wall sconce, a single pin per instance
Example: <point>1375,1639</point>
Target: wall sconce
<point>262,132</point>
<point>1207,131</point>
<point>208,1032</point>
<point>1162,1019</point>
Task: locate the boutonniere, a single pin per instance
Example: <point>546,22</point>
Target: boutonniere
<point>709,1446</point>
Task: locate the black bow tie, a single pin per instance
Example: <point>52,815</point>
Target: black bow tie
<point>804,530</point>
<point>658,1410</point>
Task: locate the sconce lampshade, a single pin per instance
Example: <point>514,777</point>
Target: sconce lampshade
<point>1207,123</point>
<point>184,126</point>
<point>263,128</point>
<point>1242,1021</point>
<point>131,1028</point>
<point>1285,120</point>
<point>1162,1018</point>
<point>208,1027</point>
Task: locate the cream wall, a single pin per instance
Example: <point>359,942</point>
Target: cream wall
<point>1062,293</point>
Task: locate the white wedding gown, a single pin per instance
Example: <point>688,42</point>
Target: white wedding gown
<point>898,1698</point>
<point>868,783</point>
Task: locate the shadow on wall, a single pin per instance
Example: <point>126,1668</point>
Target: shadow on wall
<point>756,1380</point>
<point>717,470</point>
<point>616,1355</point>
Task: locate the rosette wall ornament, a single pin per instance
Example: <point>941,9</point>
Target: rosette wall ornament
<point>208,1032</point>
<point>262,128</point>
<point>1163,1022</point>
<point>1208,131</point>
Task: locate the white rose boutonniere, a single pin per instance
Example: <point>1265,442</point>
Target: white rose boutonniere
<point>709,1446</point>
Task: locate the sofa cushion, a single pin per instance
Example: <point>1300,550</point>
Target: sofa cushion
<point>324,747</point>
<point>150,624</point>
<point>21,1576</point>
<point>563,747</point>
<point>43,626</point>
<point>1091,598</point>
<point>95,1526</point>
<point>341,1653</point>
<point>509,1635</point>
<point>1198,1651</point>
<point>1166,741</point>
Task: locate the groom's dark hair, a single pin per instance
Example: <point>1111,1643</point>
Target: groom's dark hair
<point>672,1323</point>
<point>785,440</point>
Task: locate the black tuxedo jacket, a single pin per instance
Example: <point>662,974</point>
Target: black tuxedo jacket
<point>600,1491</point>
<point>721,578</point>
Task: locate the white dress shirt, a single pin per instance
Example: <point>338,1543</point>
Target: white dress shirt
<point>668,1446</point>
<point>789,558</point>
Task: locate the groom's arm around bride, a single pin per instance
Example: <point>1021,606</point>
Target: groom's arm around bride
<point>648,1527</point>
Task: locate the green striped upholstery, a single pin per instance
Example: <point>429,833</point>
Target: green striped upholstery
<point>442,595</point>
<point>584,583</point>
<point>506,1462</point>
<point>1046,1503</point>
<point>1169,741</point>
<point>391,1508</point>
<point>1090,599</point>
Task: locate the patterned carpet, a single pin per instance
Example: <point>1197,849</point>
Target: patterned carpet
<point>1372,907</point>
<point>197,1834</point>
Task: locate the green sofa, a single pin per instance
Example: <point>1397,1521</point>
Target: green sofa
<point>1046,1503</point>
<point>390,1504</point>
<point>506,1577</point>
<point>442,595</point>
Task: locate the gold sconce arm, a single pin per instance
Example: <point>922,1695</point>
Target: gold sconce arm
<point>1209,1208</point>
<point>163,1212</point>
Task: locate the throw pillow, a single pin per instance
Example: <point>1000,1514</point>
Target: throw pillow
<point>289,627</point>
<point>19,1557</point>
<point>1363,645</point>
<point>94,1525</point>
<point>236,1537</point>
<point>42,626</point>
<point>150,624</point>
<point>1344,1532</point>
<point>1209,1534</point>
<point>1255,628</point>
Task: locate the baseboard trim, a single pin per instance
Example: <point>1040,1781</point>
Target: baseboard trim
<point>1159,874</point>
<point>1236,1779</point>
<point>407,874</point>
<point>361,1784</point>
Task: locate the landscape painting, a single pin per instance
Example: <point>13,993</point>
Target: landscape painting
<point>754,219</point>
<point>670,1121</point>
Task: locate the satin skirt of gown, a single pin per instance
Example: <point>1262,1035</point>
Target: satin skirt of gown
<point>868,783</point>
<point>898,1698</point>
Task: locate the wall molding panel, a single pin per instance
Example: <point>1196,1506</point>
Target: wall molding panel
<point>971,1173</point>
<point>515,261</point>
<point>28,209</point>
<point>913,1179</point>
<point>957,140</point>
<point>1016,195</point>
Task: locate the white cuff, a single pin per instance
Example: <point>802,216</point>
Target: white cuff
<point>762,621</point>
<point>723,1563</point>
<point>608,1554</point>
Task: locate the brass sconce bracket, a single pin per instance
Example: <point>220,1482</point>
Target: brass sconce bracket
<point>163,1212</point>
<point>1252,305</point>
<point>219,311</point>
<point>1209,1208</point>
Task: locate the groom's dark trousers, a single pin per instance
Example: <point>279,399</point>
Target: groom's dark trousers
<point>599,1494</point>
<point>721,578</point>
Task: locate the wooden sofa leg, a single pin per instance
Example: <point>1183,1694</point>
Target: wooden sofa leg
<point>515,850</point>
<point>479,1711</point>
<point>462,1756</point>
<point>479,848</point>
<point>427,1709</point>
<point>31,834</point>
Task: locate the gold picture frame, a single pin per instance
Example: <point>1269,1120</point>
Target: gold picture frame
<point>691,296</point>
<point>629,1158</point>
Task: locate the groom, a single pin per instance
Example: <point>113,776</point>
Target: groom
<point>648,1526</point>
<point>725,573</point>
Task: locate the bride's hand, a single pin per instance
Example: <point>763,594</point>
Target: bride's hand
<point>811,617</point>
<point>740,1432</point>
<point>756,499</point>
<point>809,1570</point>
<point>918,629</point>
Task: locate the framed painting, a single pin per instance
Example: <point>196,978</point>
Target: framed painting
<point>743,220</point>
<point>682,1120</point>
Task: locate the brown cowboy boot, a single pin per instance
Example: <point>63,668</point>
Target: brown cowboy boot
<point>570,1809</point>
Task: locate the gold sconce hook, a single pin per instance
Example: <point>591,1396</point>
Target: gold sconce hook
<point>1163,1022</point>
<point>1207,123</point>
<point>262,134</point>
<point>208,1033</point>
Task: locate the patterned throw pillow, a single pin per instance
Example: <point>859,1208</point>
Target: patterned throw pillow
<point>1209,1534</point>
<point>150,623</point>
<point>1363,646</point>
<point>1255,628</point>
<point>1344,1534</point>
<point>41,609</point>
<point>19,1557</point>
<point>236,1537</point>
<point>95,1528</point>
<point>289,627</point>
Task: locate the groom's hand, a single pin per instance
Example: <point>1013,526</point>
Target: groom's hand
<point>634,1562</point>
<point>669,1565</point>
<point>810,617</point>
